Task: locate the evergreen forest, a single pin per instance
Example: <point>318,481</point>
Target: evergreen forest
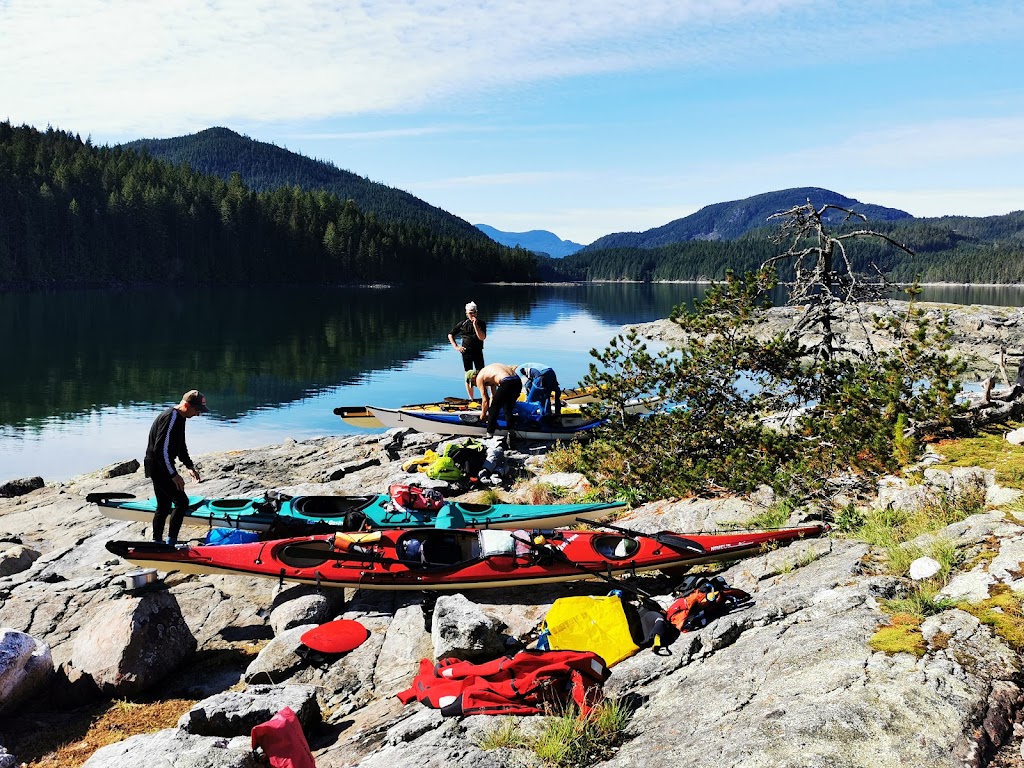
<point>72,213</point>
<point>75,214</point>
<point>955,249</point>
<point>265,167</point>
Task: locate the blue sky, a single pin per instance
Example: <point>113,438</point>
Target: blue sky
<point>579,118</point>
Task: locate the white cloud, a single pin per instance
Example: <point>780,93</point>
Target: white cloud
<point>990,201</point>
<point>522,178</point>
<point>120,68</point>
<point>946,141</point>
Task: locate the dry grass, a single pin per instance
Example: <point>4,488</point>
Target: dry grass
<point>540,493</point>
<point>68,739</point>
<point>73,740</point>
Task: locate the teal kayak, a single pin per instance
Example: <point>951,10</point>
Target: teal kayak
<point>351,513</point>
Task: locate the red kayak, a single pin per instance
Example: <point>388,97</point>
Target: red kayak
<point>456,559</point>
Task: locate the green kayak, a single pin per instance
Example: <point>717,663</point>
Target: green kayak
<point>348,513</point>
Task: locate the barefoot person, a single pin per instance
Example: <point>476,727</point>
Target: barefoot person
<point>167,444</point>
<point>499,388</point>
<point>471,333</point>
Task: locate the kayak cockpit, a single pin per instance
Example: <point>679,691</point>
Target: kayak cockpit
<point>425,546</point>
<point>305,554</point>
<point>330,507</point>
<point>615,547</point>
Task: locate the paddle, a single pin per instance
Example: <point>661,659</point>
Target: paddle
<point>126,548</point>
<point>100,497</point>
<point>670,540</point>
<point>645,597</point>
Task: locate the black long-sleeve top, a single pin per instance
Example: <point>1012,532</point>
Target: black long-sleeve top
<point>167,443</point>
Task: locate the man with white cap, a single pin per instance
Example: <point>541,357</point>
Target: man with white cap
<point>167,444</point>
<point>471,333</point>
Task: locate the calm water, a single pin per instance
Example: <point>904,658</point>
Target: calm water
<point>87,371</point>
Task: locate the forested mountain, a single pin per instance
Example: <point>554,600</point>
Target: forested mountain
<point>265,167</point>
<point>948,249</point>
<point>729,221</point>
<point>72,213</point>
<point>537,240</point>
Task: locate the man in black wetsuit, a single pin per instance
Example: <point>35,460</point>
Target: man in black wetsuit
<point>471,333</point>
<point>167,443</point>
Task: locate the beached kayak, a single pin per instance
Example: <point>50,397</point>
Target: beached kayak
<point>458,559</point>
<point>352,513</point>
<point>565,427</point>
<point>361,416</point>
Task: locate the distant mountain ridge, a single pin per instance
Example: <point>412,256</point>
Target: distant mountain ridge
<point>732,220</point>
<point>536,240</point>
<point>263,167</point>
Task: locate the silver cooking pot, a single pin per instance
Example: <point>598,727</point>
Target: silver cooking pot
<point>140,578</point>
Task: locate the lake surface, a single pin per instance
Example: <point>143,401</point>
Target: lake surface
<point>87,371</point>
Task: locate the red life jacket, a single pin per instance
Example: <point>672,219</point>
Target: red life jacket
<point>414,497</point>
<point>511,685</point>
<point>704,603</point>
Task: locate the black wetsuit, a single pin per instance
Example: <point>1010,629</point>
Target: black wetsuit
<point>167,443</point>
<point>505,396</point>
<point>473,356</point>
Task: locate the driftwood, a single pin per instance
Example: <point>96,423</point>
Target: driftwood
<point>985,409</point>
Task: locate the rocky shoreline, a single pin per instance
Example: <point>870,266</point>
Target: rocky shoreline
<point>790,680</point>
<point>986,337</point>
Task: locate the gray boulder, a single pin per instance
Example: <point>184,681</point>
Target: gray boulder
<point>25,664</point>
<point>15,558</point>
<point>130,644</point>
<point>405,644</point>
<point>234,713</point>
<point>279,658</point>
<point>174,748</point>
<point>301,605</point>
<point>120,469</point>
<point>462,630</point>
<point>20,487</point>
<point>7,760</point>
<point>791,681</point>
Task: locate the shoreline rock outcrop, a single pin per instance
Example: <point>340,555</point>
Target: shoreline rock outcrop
<point>980,334</point>
<point>790,680</point>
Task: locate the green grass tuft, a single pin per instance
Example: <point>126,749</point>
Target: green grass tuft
<point>567,740</point>
<point>920,603</point>
<point>506,735</point>
<point>891,529</point>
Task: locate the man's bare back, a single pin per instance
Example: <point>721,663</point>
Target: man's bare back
<point>487,381</point>
<point>491,375</point>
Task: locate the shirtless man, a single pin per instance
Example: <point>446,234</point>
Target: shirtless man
<point>499,388</point>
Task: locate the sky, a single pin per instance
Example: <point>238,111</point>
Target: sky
<point>578,118</point>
